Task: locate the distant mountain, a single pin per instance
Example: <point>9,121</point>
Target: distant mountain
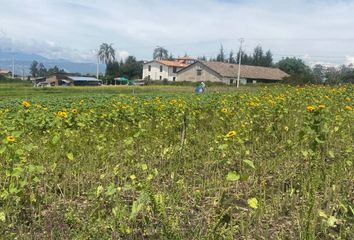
<point>23,62</point>
<point>6,56</point>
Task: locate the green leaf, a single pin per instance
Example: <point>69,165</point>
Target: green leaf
<point>99,190</point>
<point>55,139</point>
<point>144,167</point>
<point>2,217</point>
<point>2,150</point>
<point>232,177</point>
<point>111,190</point>
<point>331,154</point>
<point>129,141</point>
<point>223,147</point>
<point>319,141</point>
<point>322,214</point>
<point>19,152</point>
<point>136,208</point>
<point>70,156</point>
<point>249,163</point>
<point>351,209</point>
<point>305,153</point>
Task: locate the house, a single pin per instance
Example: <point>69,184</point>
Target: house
<point>165,69</point>
<point>4,73</point>
<point>39,81</point>
<point>227,73</point>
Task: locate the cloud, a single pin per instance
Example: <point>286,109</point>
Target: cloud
<point>72,29</point>
<point>349,59</point>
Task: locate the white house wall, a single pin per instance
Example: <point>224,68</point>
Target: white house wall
<point>167,72</point>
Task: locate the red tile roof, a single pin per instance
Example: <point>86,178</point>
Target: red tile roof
<point>171,63</point>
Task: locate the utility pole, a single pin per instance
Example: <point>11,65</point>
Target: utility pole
<point>98,68</point>
<point>23,71</point>
<point>239,62</point>
<point>13,66</point>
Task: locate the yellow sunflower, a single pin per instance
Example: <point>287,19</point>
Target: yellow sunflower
<point>224,110</point>
<point>10,138</point>
<point>321,106</point>
<point>231,134</point>
<point>62,114</point>
<point>310,108</point>
<point>26,104</point>
<point>348,108</point>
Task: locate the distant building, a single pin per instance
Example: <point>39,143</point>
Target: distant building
<point>165,69</point>
<point>227,73</point>
<point>82,81</point>
<point>5,73</point>
<point>66,79</point>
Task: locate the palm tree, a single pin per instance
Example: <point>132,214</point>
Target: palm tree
<point>106,53</point>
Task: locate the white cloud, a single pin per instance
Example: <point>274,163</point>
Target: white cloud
<point>349,59</point>
<point>71,29</point>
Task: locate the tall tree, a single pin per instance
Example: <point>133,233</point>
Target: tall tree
<point>42,71</point>
<point>319,73</point>
<point>131,68</point>
<point>221,55</point>
<point>231,57</point>
<point>245,59</point>
<point>299,71</point>
<point>347,73</point>
<point>34,69</point>
<point>268,59</point>
<point>160,53</point>
<point>106,53</point>
<point>293,66</point>
<point>202,58</point>
<point>258,56</point>
<point>112,69</point>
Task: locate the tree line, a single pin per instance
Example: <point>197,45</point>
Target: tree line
<point>39,70</point>
<point>299,71</point>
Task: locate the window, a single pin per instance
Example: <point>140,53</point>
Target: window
<point>231,81</point>
<point>160,77</point>
<point>149,68</point>
<point>174,78</point>
<point>174,69</point>
<point>149,77</point>
<point>161,68</point>
<point>199,72</point>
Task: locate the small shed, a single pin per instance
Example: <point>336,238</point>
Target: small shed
<point>83,81</point>
<point>121,81</point>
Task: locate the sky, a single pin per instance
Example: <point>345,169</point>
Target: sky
<point>318,31</point>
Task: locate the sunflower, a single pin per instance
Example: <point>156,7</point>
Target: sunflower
<point>348,108</point>
<point>74,111</point>
<point>231,134</point>
<point>26,104</point>
<point>321,106</point>
<point>224,110</point>
<point>62,114</point>
<point>310,108</point>
<point>10,138</point>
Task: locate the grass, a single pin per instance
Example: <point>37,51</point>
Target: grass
<point>163,163</point>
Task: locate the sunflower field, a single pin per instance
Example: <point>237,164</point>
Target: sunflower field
<point>274,163</point>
